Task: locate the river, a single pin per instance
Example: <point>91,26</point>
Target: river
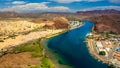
<point>73,49</point>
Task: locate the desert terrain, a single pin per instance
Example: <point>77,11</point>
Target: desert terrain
<point>22,28</point>
<point>26,32</point>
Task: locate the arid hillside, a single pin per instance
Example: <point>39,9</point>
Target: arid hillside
<point>106,23</point>
<point>54,23</point>
<point>15,26</point>
<point>105,20</point>
<point>61,22</point>
<point>19,25</point>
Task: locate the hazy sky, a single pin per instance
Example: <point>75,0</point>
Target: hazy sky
<point>57,5</point>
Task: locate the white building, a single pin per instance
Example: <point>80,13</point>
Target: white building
<point>74,24</point>
<point>101,48</point>
<point>99,44</point>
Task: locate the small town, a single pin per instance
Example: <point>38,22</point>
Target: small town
<point>105,47</point>
<point>75,24</point>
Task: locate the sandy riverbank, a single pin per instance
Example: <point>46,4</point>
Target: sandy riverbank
<point>20,39</point>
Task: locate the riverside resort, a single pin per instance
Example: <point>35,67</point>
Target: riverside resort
<point>59,33</point>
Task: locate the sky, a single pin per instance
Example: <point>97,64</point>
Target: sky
<point>57,5</point>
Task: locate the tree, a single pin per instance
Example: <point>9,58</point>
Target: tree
<point>112,66</point>
<point>102,53</point>
<point>111,32</point>
<point>1,40</point>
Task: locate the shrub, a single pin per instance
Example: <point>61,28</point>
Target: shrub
<point>102,53</point>
<point>112,66</point>
<point>46,63</point>
<point>1,40</point>
<point>111,32</point>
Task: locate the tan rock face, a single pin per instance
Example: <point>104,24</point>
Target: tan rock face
<point>61,22</point>
<point>60,19</point>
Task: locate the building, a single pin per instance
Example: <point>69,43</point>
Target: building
<point>101,47</point>
<point>74,24</point>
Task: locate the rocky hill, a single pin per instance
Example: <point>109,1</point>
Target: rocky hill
<point>61,22</point>
<point>105,20</point>
<point>54,23</point>
<point>106,23</point>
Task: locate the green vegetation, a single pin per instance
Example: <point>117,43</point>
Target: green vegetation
<point>1,40</point>
<point>112,66</point>
<point>37,49</point>
<point>74,19</point>
<point>25,33</point>
<point>12,36</point>
<point>34,46</point>
<point>102,53</point>
<point>90,37</point>
<point>111,32</point>
<point>46,63</point>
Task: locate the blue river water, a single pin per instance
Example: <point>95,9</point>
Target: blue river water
<point>73,49</point>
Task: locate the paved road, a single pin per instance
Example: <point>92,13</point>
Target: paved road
<point>94,46</point>
<point>113,50</point>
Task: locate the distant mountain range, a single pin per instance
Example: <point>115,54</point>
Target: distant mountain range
<point>110,11</point>
<point>45,14</point>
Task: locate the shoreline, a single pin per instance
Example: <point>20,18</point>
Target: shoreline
<point>75,48</point>
<point>93,53</point>
<point>54,57</point>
